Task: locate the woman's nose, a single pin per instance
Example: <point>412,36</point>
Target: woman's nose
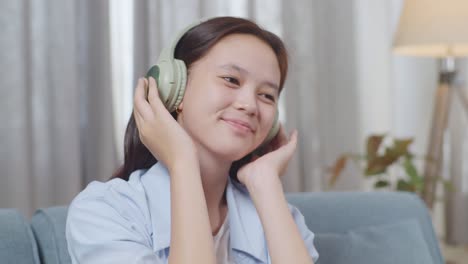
<point>246,102</point>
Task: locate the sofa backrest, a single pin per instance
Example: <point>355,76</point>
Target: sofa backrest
<point>17,244</point>
<point>340,212</point>
<point>326,212</point>
<point>48,225</point>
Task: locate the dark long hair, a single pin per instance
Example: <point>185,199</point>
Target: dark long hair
<point>190,48</point>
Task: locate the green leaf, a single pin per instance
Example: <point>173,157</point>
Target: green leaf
<point>403,185</point>
<point>381,184</point>
<point>399,149</point>
<point>390,155</point>
<point>373,144</point>
<point>378,165</point>
<point>414,178</point>
<point>401,146</point>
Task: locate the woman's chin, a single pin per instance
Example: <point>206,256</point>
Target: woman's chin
<point>233,154</point>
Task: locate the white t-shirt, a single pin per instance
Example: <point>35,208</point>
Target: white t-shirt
<point>221,243</point>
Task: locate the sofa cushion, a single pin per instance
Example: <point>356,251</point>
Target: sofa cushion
<point>339,212</point>
<point>401,242</point>
<point>48,226</point>
<point>17,243</point>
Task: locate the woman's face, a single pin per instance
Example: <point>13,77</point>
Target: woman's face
<point>231,97</point>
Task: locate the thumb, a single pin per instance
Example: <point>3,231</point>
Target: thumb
<point>290,147</point>
<point>288,152</point>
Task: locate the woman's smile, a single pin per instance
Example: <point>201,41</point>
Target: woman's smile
<point>240,127</point>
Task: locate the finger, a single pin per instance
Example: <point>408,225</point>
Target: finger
<point>292,144</point>
<point>146,85</point>
<point>282,137</point>
<point>290,147</point>
<point>153,94</point>
<point>139,101</point>
<point>139,122</point>
<point>294,135</point>
<point>138,118</point>
<point>288,151</point>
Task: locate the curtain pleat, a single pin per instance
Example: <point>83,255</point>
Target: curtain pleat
<point>56,111</point>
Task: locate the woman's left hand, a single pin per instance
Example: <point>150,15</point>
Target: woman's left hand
<point>271,165</point>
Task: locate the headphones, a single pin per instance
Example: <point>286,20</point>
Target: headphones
<point>171,77</point>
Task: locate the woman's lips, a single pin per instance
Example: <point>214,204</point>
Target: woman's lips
<point>239,126</point>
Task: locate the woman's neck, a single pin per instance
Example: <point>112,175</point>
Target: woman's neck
<point>214,173</point>
<point>214,180</point>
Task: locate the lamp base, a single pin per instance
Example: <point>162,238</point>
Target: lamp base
<point>442,100</point>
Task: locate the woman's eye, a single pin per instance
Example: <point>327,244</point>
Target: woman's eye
<point>231,80</point>
<point>269,97</point>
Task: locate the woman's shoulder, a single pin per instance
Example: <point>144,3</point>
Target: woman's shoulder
<point>109,217</point>
<point>127,198</point>
<point>116,186</point>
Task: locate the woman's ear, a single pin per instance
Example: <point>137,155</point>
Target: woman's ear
<point>180,107</point>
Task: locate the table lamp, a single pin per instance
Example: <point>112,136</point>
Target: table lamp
<point>439,29</point>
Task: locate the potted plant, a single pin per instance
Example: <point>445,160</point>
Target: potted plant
<point>382,154</point>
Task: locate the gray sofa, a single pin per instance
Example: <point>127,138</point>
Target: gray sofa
<point>350,227</point>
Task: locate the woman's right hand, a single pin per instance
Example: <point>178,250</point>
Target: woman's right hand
<point>158,130</point>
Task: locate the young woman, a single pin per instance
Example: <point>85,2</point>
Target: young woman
<point>191,190</point>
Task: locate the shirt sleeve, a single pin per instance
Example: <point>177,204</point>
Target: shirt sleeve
<point>307,235</point>
<point>101,230</point>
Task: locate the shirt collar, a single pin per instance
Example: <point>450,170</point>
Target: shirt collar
<point>246,231</point>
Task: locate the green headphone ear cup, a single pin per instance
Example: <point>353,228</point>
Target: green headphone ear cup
<point>180,82</point>
<point>163,74</point>
<point>153,72</point>
<point>171,78</point>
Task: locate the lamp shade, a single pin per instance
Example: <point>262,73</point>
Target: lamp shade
<point>434,28</point>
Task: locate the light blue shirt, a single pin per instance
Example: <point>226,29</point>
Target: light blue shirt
<point>129,222</point>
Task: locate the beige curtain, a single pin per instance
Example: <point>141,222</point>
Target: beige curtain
<point>55,112</point>
<point>321,87</point>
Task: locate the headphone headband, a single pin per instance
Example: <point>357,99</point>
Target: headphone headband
<point>168,53</point>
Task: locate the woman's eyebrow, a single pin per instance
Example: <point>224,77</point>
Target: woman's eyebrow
<point>271,85</point>
<point>234,67</point>
<point>240,70</point>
